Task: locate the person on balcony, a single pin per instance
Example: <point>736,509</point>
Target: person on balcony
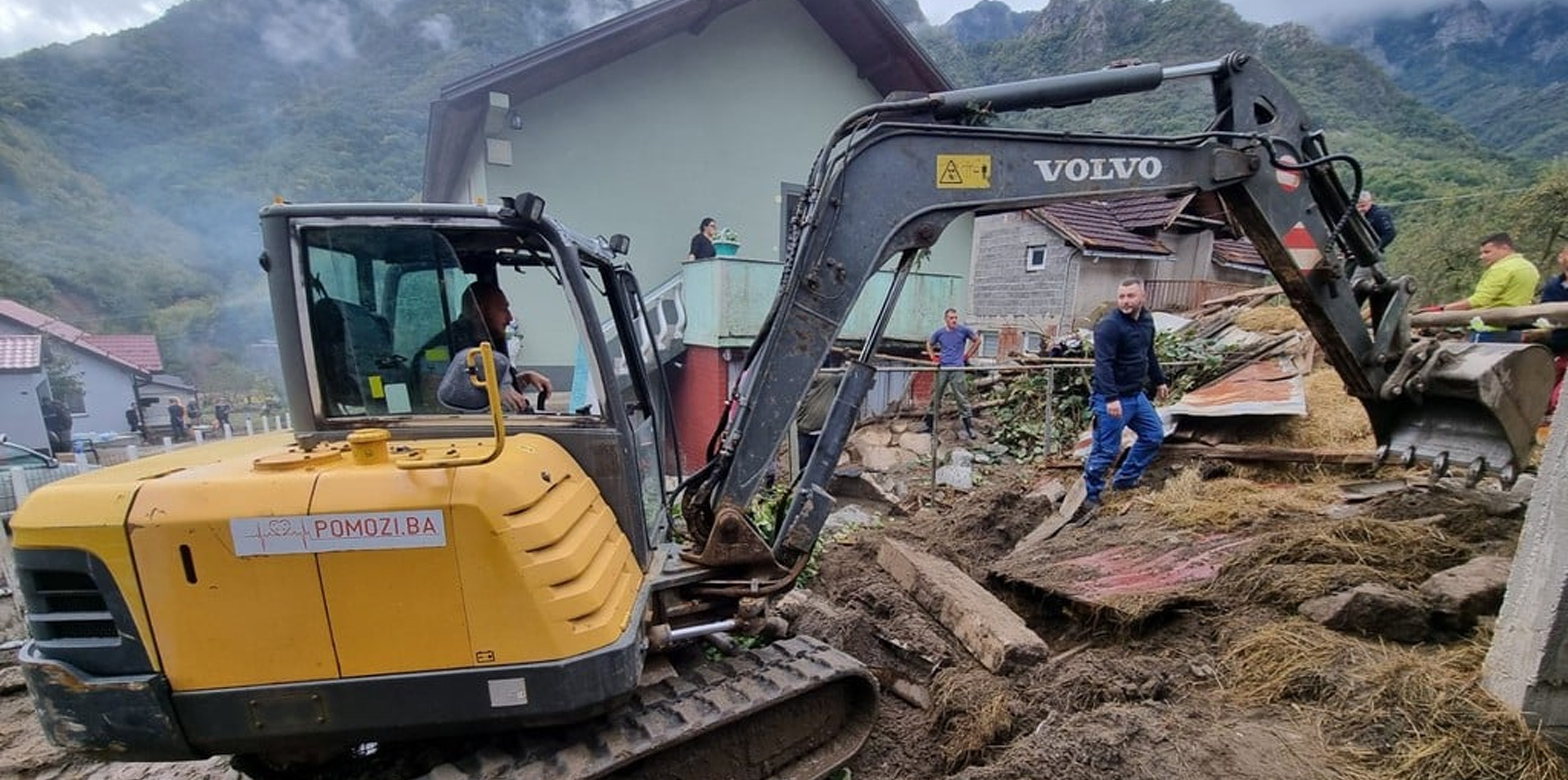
<point>702,243</point>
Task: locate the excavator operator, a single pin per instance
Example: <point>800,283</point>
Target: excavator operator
<point>486,313</point>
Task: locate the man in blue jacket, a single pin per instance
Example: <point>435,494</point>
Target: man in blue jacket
<point>1124,364</point>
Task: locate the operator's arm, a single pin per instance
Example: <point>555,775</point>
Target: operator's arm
<point>1106,340</point>
<point>973,342</point>
<point>931,348</point>
<point>536,379</point>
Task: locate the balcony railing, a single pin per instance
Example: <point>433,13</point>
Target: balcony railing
<point>1177,295</point>
<point>726,299</point>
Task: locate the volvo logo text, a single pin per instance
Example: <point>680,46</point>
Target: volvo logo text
<point>1100,168</point>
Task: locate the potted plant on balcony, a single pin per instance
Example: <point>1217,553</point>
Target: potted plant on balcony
<point>726,242</point>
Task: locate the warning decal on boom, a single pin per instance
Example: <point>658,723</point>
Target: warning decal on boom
<point>963,171</point>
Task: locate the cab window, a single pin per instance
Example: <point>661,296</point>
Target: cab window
<point>390,308</point>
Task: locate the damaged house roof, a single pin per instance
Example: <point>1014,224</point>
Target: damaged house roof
<point>1125,226</point>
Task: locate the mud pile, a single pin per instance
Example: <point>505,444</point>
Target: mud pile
<point>1226,681</point>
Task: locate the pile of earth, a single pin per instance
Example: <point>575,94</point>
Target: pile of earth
<point>1227,681</point>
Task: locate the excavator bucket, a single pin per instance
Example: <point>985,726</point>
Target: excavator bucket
<point>1470,406</point>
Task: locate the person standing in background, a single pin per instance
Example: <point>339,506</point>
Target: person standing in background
<point>702,243</point>
<point>950,348</point>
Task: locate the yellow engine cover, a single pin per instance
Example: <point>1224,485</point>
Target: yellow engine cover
<point>312,565</point>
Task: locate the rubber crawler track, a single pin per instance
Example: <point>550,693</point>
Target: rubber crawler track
<point>796,709</point>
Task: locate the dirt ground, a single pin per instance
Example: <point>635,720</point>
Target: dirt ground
<point>1172,695</point>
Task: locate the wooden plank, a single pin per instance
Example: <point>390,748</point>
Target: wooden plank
<point>1554,313</point>
<point>1251,452</point>
<point>994,634</point>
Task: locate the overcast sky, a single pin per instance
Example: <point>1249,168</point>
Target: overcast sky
<point>25,24</point>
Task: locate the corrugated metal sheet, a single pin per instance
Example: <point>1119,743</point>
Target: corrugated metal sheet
<point>1274,386</point>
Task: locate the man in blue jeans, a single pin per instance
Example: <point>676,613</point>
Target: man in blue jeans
<point>1124,364</point>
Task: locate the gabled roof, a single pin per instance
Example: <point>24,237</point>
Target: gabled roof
<point>882,50</point>
<point>1109,226</point>
<point>59,329</point>
<point>1148,211</point>
<point>21,353</point>
<point>138,348</point>
<point>1240,253</point>
<point>1091,225</point>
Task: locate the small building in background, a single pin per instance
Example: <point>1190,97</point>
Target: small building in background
<point>1046,270</point>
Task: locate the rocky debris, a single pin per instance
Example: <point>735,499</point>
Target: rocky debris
<point>959,473</point>
<point>848,516</point>
<point>11,680</point>
<point>918,443</point>
<point>1372,609</point>
<point>994,634</point>
<point>1048,488</point>
<point>1460,595</point>
<point>887,459</point>
<point>858,483</point>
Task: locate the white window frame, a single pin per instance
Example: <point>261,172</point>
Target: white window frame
<point>990,343</point>
<point>1035,257</point>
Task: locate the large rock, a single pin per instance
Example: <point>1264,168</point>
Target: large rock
<point>871,437</point>
<point>848,516</point>
<point>960,478</point>
<point>1466,592</point>
<point>1374,610</point>
<point>1049,489</point>
<point>918,443</point>
<point>887,458</point>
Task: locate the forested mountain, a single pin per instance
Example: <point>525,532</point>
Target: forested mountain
<point>1410,149</point>
<point>1501,72</point>
<point>132,165</point>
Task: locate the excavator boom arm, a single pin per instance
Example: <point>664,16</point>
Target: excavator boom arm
<point>894,176</point>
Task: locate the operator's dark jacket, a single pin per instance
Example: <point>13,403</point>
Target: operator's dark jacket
<point>1124,360</point>
<point>1382,224</point>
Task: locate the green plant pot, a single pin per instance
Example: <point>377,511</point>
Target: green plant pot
<point>726,248</point>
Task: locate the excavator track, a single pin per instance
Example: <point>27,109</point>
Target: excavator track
<point>796,710</point>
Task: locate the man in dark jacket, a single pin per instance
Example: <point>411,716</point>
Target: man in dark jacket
<point>1124,364</point>
<point>1378,217</point>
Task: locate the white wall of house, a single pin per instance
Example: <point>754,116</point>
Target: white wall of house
<point>21,420</point>
<point>712,124</point>
<point>107,387</point>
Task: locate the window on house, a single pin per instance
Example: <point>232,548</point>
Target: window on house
<point>1035,259</point>
<point>1032,343</point>
<point>989,343</point>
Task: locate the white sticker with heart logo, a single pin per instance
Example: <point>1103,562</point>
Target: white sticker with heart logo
<point>295,534</point>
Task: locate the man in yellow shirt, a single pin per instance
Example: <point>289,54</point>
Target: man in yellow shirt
<point>1509,280</point>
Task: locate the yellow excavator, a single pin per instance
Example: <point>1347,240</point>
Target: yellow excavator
<point>516,592</point>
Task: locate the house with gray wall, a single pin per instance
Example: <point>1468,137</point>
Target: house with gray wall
<point>1057,266</point>
<point>109,380</point>
<point>21,382</point>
